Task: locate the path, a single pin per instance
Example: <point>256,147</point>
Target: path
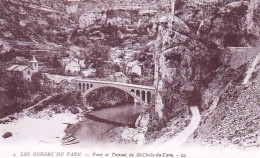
<point>26,110</point>
<point>182,136</point>
<point>251,69</point>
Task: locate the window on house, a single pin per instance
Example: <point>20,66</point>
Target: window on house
<point>29,72</point>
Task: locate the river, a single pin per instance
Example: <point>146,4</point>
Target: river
<point>92,131</point>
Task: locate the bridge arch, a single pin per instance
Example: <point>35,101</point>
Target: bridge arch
<point>138,98</point>
<point>140,93</point>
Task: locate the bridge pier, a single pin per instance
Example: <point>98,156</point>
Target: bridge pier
<point>83,100</point>
<point>146,97</point>
<point>135,102</point>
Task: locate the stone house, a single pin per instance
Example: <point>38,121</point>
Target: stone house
<point>82,64</point>
<point>72,68</point>
<point>21,70</point>
<point>133,67</point>
<point>114,52</point>
<point>118,77</point>
<point>25,71</point>
<point>72,65</point>
<point>21,60</point>
<point>64,61</point>
<point>89,72</point>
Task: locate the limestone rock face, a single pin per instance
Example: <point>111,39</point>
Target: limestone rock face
<point>192,65</point>
<point>253,18</point>
<point>234,119</point>
<point>132,135</point>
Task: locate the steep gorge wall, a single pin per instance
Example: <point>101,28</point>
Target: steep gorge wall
<point>194,65</point>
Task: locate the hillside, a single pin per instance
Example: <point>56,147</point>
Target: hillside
<point>187,48</point>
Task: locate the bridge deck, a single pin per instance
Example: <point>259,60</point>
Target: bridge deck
<point>116,83</point>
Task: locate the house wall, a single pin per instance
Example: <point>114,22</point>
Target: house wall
<point>120,79</point>
<point>27,74</point>
<point>137,69</point>
<point>72,68</point>
<point>64,63</point>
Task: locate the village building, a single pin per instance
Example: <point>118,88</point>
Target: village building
<point>72,68</point>
<point>20,59</point>
<point>64,61</point>
<point>118,77</point>
<point>34,65</point>
<point>89,72</point>
<point>72,65</point>
<point>118,61</point>
<point>128,52</point>
<point>24,71</point>
<point>114,52</point>
<point>134,67</point>
<point>82,64</point>
<point>21,70</point>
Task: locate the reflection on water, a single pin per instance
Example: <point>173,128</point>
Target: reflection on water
<point>90,131</point>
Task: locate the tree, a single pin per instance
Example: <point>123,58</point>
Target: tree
<point>35,83</point>
<point>55,61</point>
<point>98,57</point>
<point>17,88</point>
<point>3,76</point>
<point>116,67</point>
<point>133,77</point>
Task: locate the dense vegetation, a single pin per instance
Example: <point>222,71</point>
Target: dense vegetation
<point>18,94</point>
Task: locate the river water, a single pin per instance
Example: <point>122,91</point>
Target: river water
<point>91,131</point>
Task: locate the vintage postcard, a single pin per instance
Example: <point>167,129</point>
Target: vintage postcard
<point>129,78</point>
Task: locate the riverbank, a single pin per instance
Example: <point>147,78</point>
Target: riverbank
<point>49,126</point>
<point>44,127</point>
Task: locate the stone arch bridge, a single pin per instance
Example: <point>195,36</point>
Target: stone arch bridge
<point>142,94</point>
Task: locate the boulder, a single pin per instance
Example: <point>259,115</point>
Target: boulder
<point>7,135</point>
<point>74,110</point>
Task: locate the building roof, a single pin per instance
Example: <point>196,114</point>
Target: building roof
<point>19,68</point>
<point>69,59</point>
<point>33,59</point>
<point>11,67</point>
<point>65,60</point>
<point>73,63</point>
<point>117,60</point>
<point>75,59</point>
<point>133,63</point>
<point>118,74</point>
<point>114,48</point>
<point>20,58</point>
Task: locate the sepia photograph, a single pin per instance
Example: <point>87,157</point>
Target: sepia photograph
<point>129,78</point>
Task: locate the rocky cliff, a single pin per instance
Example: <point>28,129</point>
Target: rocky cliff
<point>193,65</point>
<point>196,68</point>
